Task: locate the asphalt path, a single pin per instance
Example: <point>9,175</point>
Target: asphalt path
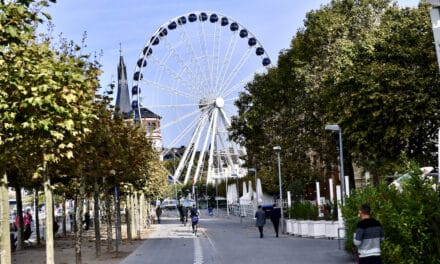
<point>229,240</point>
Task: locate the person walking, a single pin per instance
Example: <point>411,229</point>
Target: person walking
<point>180,209</point>
<point>158,213</point>
<point>275,216</point>
<point>260,221</point>
<point>368,236</point>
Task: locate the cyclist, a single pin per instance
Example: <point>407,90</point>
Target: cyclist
<point>194,218</point>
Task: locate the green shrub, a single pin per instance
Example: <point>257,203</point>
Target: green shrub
<point>304,211</point>
<point>410,218</point>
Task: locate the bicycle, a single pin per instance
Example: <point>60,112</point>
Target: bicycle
<point>194,222</point>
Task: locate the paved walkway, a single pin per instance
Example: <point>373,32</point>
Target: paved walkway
<point>228,240</point>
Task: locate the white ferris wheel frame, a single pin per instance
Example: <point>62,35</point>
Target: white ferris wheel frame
<point>210,120</point>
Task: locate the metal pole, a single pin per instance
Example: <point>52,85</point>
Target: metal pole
<point>281,188</point>
<point>174,174</point>
<point>216,194</point>
<point>227,200</point>
<point>341,155</point>
<point>255,177</point>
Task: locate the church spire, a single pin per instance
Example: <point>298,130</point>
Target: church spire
<point>123,95</point>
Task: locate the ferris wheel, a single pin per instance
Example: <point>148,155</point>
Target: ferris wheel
<point>190,73</point>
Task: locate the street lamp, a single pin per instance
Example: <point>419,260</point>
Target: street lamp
<point>255,179</point>
<point>278,150</point>
<point>341,157</point>
<point>174,174</point>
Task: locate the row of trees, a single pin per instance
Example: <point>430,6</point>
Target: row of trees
<point>367,65</point>
<point>57,133</point>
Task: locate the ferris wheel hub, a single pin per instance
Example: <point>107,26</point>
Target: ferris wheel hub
<point>219,102</point>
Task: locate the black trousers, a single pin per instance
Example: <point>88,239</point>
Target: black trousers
<point>370,260</point>
<point>276,225</point>
<point>260,228</point>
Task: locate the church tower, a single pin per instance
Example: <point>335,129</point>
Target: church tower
<point>150,121</point>
<point>123,106</point>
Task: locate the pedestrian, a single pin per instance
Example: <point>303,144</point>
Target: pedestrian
<point>158,213</point>
<point>185,215</point>
<point>71,220</point>
<point>87,220</point>
<point>368,236</point>
<point>260,217</point>
<point>194,214</point>
<point>275,215</point>
<point>180,208</point>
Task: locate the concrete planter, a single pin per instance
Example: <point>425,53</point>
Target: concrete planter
<point>295,227</point>
<point>331,229</point>
<point>303,228</point>
<point>289,224</point>
<point>316,229</point>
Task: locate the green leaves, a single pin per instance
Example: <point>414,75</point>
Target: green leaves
<point>365,65</point>
<point>409,218</point>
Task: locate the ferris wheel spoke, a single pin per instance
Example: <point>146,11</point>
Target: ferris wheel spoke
<point>169,90</point>
<point>227,62</point>
<point>178,59</point>
<point>184,132</point>
<point>199,133</point>
<point>172,73</point>
<point>175,105</point>
<point>203,151</point>
<point>237,86</point>
<point>180,119</point>
<point>211,151</point>
<point>204,50</point>
<point>237,68</point>
<point>202,78</point>
<point>190,149</point>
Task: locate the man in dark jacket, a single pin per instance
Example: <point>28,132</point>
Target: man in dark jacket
<point>367,238</point>
<point>275,216</point>
<point>260,220</point>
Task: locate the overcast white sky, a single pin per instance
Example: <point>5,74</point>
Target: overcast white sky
<point>132,23</point>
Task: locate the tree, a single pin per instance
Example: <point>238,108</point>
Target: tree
<point>46,97</point>
<point>365,65</point>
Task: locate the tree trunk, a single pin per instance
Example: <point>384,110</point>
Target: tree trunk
<point>37,216</point>
<point>50,258</point>
<point>132,215</point>
<point>74,226</point>
<point>78,233</point>
<point>5,253</point>
<point>18,199</point>
<point>96,220</point>
<point>118,223</point>
<point>141,209</point>
<point>137,213</point>
<point>128,216</point>
<point>108,215</point>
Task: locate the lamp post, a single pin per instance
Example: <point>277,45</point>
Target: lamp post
<point>174,173</point>
<point>255,179</point>
<point>341,157</point>
<point>278,150</point>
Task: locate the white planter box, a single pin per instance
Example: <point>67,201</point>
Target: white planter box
<point>295,227</point>
<point>289,224</point>
<point>331,229</point>
<point>303,228</point>
<point>316,229</point>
